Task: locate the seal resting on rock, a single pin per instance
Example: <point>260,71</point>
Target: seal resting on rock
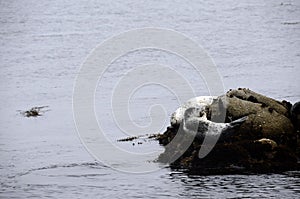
<point>267,139</point>
<point>196,123</point>
<point>201,102</point>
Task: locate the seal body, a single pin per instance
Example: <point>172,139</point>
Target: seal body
<point>200,102</point>
<point>196,123</point>
<point>192,115</point>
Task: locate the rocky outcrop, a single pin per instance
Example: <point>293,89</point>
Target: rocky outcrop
<point>266,142</point>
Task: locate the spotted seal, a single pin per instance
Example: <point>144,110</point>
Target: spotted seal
<point>197,102</point>
<point>195,122</point>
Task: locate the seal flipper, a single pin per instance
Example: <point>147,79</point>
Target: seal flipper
<point>238,122</point>
<point>232,127</point>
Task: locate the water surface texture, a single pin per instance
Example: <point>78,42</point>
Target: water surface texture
<point>254,44</point>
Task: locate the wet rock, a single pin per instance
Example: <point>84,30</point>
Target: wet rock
<point>271,144</point>
<point>295,115</point>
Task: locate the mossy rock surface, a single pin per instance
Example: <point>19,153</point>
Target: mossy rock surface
<point>267,118</point>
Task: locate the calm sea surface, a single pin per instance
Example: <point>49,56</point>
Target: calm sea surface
<point>254,44</point>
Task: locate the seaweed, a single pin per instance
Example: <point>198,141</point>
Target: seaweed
<point>34,111</point>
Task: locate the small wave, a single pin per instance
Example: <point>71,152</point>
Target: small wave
<point>94,165</point>
<point>291,23</point>
<point>84,175</point>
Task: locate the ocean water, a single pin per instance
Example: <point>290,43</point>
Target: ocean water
<point>254,44</point>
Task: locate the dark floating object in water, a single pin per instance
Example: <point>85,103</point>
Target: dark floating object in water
<point>34,111</point>
<point>127,139</point>
<point>291,23</point>
<point>131,138</point>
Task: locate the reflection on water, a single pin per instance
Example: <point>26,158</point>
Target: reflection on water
<point>239,186</point>
<point>43,43</point>
<point>92,179</point>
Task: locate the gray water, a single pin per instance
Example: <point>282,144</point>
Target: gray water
<point>254,44</point>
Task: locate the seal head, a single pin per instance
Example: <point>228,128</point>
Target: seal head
<point>200,102</point>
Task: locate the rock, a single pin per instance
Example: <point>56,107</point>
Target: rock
<point>267,118</point>
<point>250,96</point>
<point>266,142</point>
<point>295,115</point>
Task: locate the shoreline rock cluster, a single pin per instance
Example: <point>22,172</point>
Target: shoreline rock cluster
<point>267,142</point>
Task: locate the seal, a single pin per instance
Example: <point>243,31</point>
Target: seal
<point>196,123</point>
<point>197,102</point>
<point>266,141</point>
